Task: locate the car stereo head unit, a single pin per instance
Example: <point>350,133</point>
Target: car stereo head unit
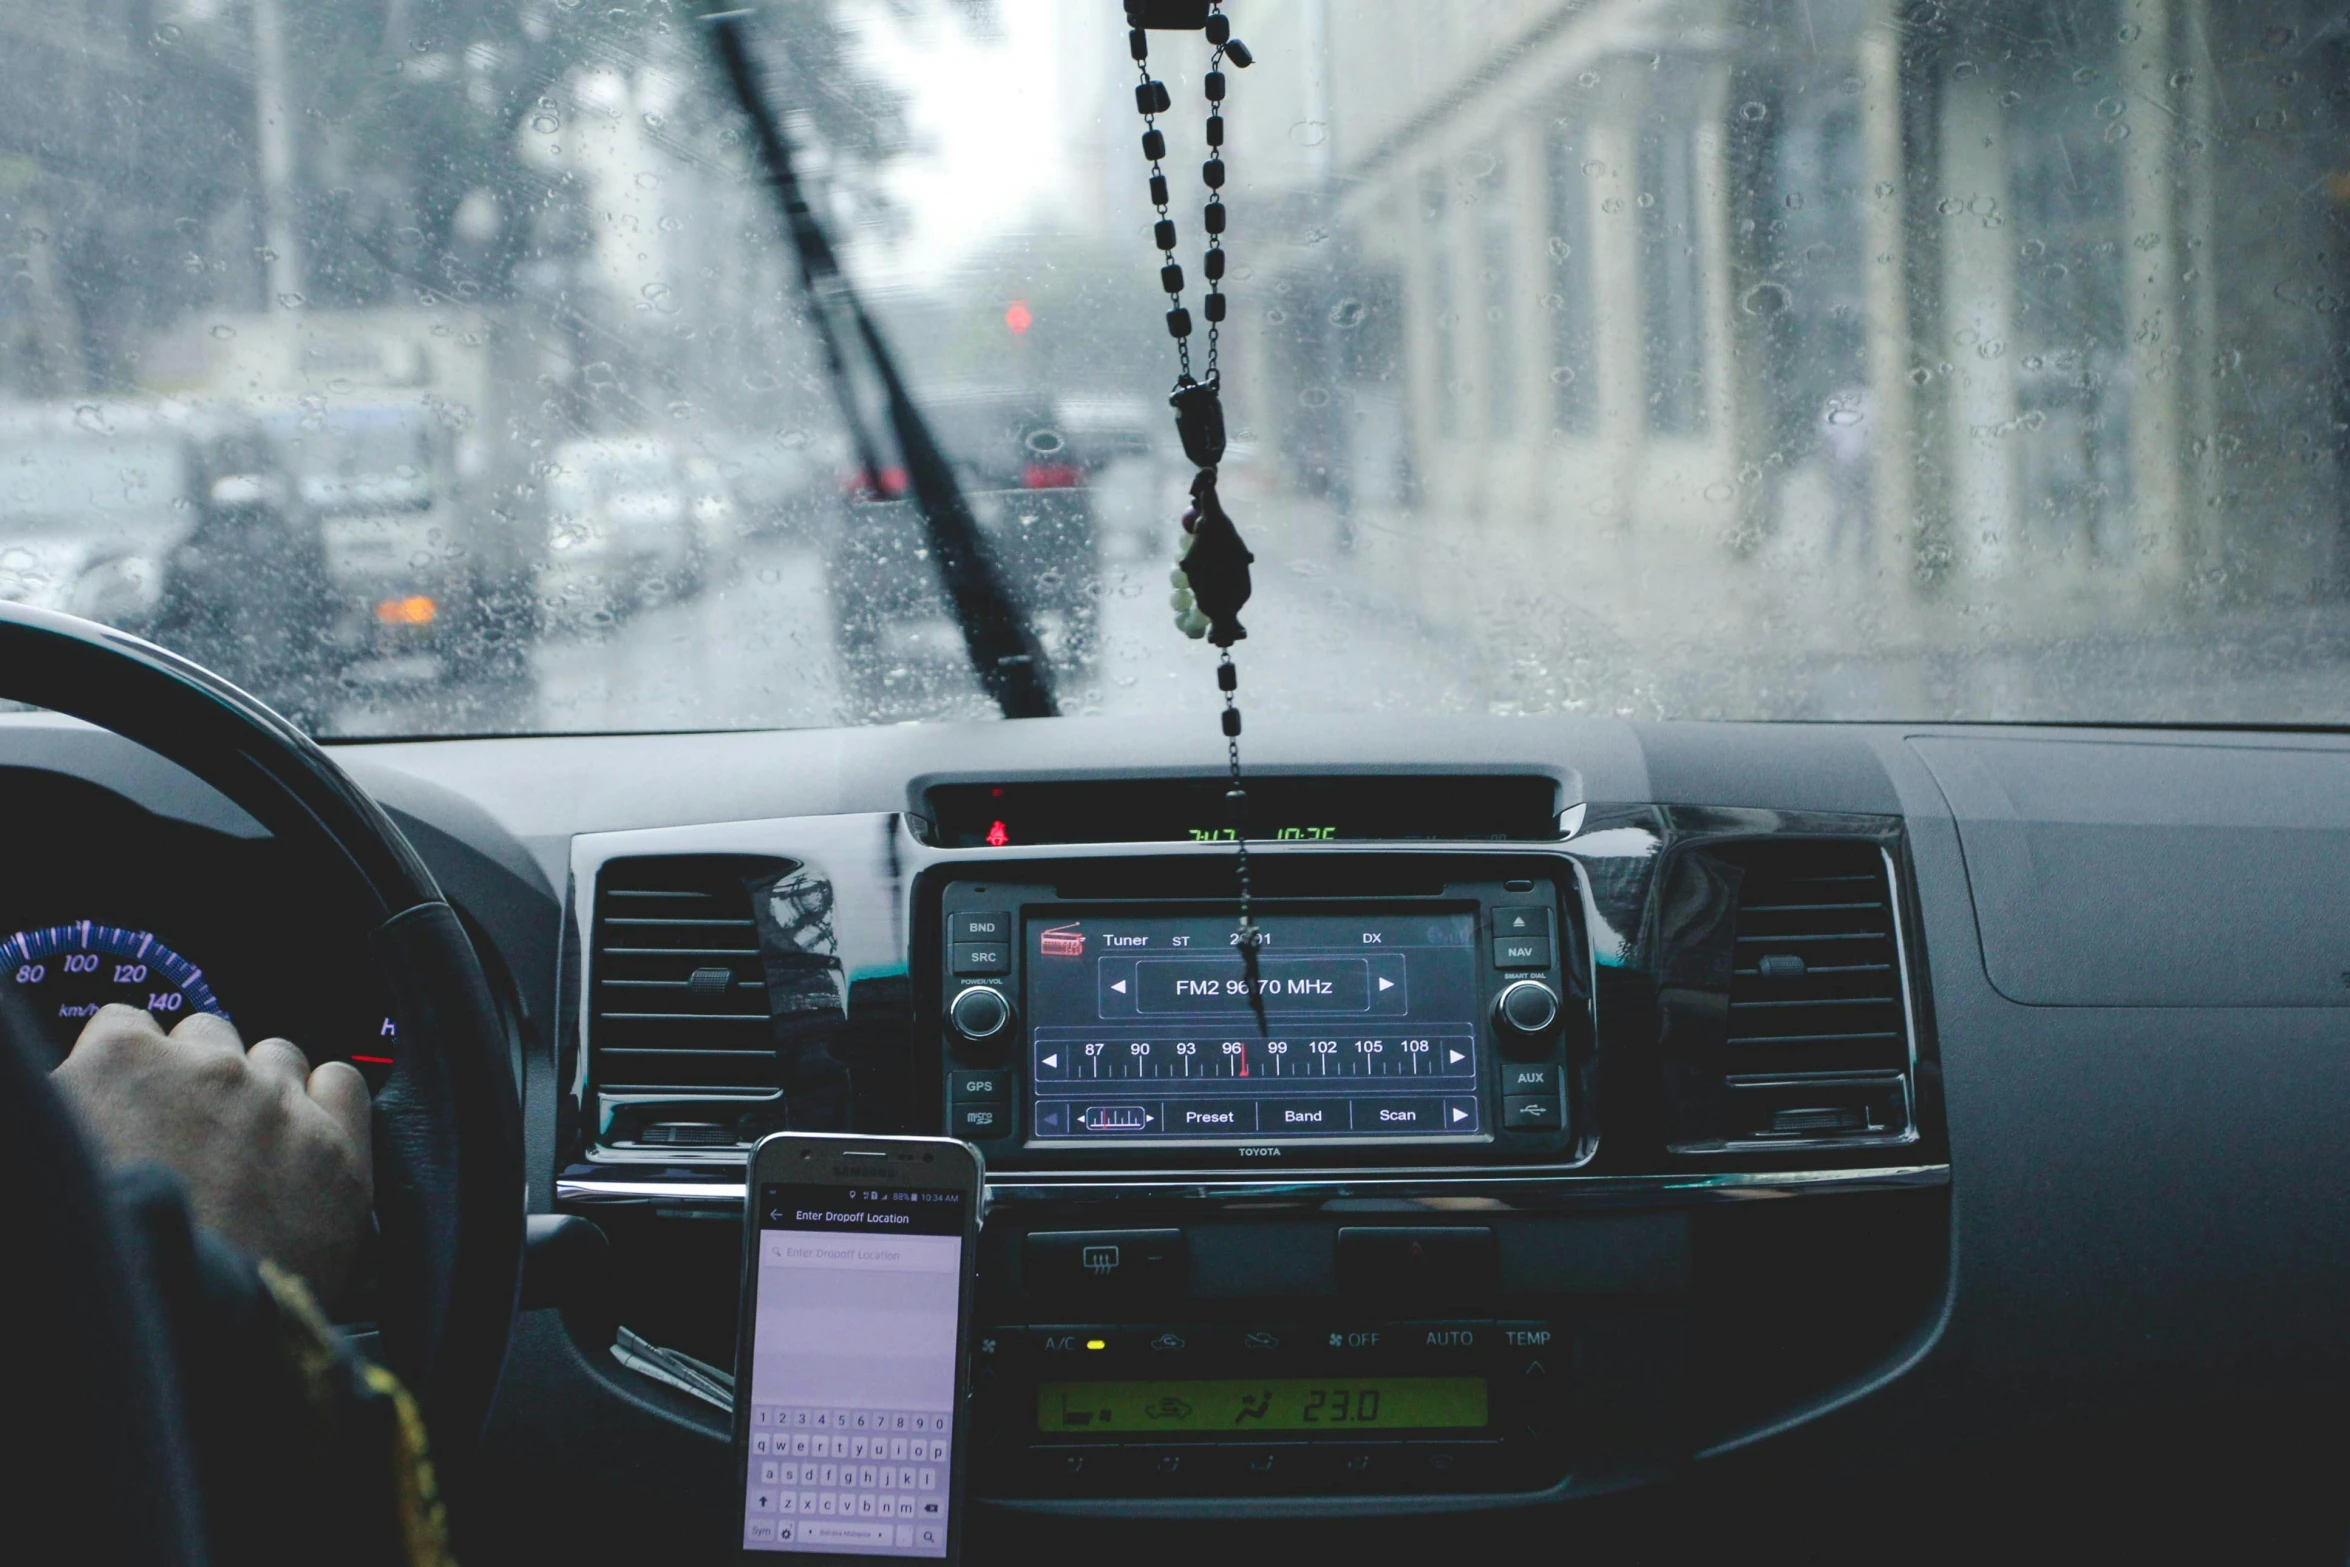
<point>1417,1030</point>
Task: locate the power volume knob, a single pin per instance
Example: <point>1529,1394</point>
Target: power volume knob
<point>1524,1012</point>
<point>979,1015</point>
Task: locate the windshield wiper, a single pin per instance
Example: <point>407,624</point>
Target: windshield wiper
<point>1003,647</point>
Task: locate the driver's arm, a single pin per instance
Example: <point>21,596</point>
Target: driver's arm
<point>304,1452</point>
<point>273,1153</point>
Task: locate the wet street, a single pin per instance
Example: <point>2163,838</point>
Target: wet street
<point>755,649</point>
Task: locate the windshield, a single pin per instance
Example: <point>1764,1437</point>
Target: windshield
<point>442,366</point>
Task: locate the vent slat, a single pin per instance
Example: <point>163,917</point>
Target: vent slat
<point>680,952</point>
<point>674,1050</point>
<point>1870,935</point>
<point>683,1017</point>
<point>1816,1039</point>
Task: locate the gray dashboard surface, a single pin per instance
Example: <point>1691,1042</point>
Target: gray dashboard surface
<point>2132,938</point>
<point>2139,870</point>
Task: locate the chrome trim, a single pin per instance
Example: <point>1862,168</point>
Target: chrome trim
<point>1500,1190</point>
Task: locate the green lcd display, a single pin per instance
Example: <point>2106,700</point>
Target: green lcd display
<point>1333,1404</point>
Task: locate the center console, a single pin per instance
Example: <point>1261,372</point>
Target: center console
<point>1347,1215</point>
<point>1089,1033</point>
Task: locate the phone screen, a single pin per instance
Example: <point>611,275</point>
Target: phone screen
<point>852,1369</point>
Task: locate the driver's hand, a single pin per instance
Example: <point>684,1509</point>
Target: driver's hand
<point>274,1154</point>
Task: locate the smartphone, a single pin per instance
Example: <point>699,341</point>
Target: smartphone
<point>852,1367</point>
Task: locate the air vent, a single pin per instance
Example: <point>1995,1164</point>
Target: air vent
<point>1818,1046</point>
<point>679,999</point>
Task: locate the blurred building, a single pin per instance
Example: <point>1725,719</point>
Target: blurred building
<point>1926,302</point>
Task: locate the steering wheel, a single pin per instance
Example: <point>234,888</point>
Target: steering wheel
<point>448,1128</point>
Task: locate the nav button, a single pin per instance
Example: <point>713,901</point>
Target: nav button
<point>1521,952</point>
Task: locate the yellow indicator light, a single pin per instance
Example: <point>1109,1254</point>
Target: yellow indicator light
<point>416,610</point>
<point>1095,1343</point>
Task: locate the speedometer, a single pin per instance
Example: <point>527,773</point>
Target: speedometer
<point>68,972</point>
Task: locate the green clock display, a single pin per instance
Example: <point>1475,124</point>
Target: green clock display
<point>1333,1404</point>
<point>1278,834</point>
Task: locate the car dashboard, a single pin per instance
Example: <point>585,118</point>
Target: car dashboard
<point>1610,1108</point>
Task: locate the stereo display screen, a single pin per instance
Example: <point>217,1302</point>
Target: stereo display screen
<point>1353,1027</point>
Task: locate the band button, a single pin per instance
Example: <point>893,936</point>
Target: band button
<point>993,925</point>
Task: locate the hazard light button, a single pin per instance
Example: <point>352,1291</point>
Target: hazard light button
<point>1419,1260</point>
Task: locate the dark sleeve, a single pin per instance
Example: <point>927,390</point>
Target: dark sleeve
<point>303,1451</point>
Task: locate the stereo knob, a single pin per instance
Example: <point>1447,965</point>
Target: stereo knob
<point>1524,1012</point>
<point>979,1014</point>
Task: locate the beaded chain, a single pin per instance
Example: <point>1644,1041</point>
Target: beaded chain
<point>1211,583</point>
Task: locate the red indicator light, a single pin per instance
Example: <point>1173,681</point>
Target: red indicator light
<point>374,1060</point>
<point>1052,476</point>
<point>1017,317</point>
<point>998,835</point>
